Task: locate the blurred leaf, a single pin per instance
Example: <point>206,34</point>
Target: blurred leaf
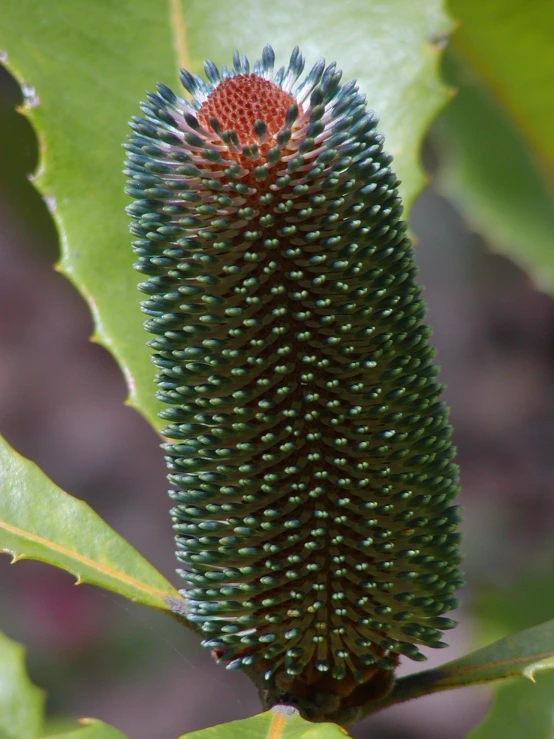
<point>21,702</point>
<point>87,65</point>
<point>510,45</point>
<point>270,725</point>
<point>92,729</point>
<point>525,654</point>
<point>495,139</point>
<point>40,521</point>
<point>60,724</point>
<point>519,708</point>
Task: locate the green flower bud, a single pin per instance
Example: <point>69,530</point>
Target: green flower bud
<point>309,451</point>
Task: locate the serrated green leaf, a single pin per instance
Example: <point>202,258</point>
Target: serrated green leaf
<point>272,724</point>
<point>88,65</point>
<point>92,729</point>
<point>21,702</point>
<point>38,520</point>
<point>496,143</point>
<point>522,654</point>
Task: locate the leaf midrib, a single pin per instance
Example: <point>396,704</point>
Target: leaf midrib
<point>82,559</point>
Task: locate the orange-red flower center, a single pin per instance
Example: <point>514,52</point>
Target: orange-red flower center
<point>238,102</point>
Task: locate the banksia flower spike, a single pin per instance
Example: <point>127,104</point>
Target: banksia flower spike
<point>309,452</point>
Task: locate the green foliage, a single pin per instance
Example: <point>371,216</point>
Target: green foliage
<point>523,654</point>
<point>270,725</point>
<point>91,729</point>
<point>509,45</point>
<point>21,702</point>
<point>496,143</point>
<point>521,707</point>
<point>90,67</point>
<point>40,521</point>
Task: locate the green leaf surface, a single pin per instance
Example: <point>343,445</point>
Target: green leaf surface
<point>524,654</point>
<point>59,724</point>
<point>92,729</point>
<point>496,142</point>
<point>519,708</point>
<point>488,169</point>
<point>87,64</point>
<point>272,724</point>
<point>21,702</point>
<point>509,44</point>
<point>38,520</point>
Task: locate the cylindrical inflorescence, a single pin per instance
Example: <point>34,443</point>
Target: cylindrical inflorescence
<point>309,453</point>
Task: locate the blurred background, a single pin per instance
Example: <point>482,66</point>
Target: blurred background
<point>62,405</point>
